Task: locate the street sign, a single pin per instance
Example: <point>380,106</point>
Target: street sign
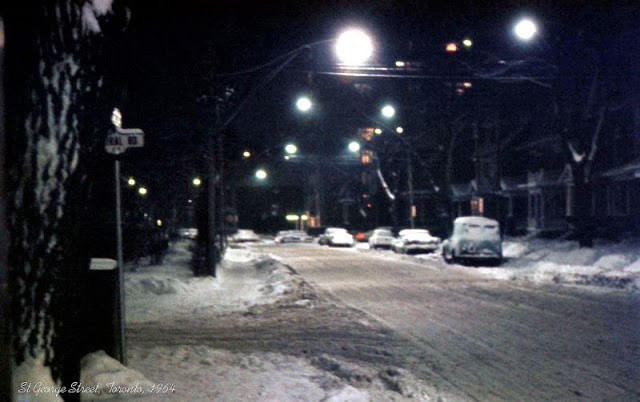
<point>134,136</point>
<point>115,144</point>
<point>124,138</point>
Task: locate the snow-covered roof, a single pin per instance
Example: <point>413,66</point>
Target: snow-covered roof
<point>546,178</point>
<point>630,171</point>
<point>475,220</point>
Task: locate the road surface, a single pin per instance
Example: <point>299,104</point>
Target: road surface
<point>482,338</point>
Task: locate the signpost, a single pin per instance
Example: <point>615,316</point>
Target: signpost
<point>116,144</point>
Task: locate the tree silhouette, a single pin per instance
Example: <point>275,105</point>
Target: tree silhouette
<point>55,126</point>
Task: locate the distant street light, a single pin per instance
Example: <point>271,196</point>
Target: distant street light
<point>354,47</point>
<point>142,191</point>
<point>388,111</point>
<point>399,130</point>
<point>196,181</point>
<point>354,146</point>
<point>131,182</point>
<point>525,29</point>
<point>304,104</point>
<point>261,174</point>
<point>291,149</point>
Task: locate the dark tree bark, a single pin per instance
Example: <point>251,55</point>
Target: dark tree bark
<point>55,124</point>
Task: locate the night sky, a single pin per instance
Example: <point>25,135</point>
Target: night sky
<point>178,56</point>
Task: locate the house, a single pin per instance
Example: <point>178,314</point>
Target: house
<point>541,203</point>
<point>614,193</point>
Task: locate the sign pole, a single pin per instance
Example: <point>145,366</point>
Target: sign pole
<point>120,343</point>
<point>117,143</point>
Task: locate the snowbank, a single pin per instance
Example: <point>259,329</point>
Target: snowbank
<point>198,372</point>
<point>614,265</point>
<point>248,279</point>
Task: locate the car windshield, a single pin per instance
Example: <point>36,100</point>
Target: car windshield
<point>415,232</point>
<point>383,232</point>
<point>479,229</point>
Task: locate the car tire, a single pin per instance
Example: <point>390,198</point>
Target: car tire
<point>445,255</point>
<point>449,256</point>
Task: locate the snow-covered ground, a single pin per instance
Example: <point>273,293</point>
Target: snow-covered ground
<point>607,264</point>
<point>247,279</point>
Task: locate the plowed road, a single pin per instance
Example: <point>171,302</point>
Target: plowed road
<point>486,339</point>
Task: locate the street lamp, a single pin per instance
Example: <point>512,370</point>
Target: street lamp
<point>388,111</point>
<point>304,104</point>
<point>291,149</point>
<point>261,174</point>
<point>197,182</point>
<point>354,146</point>
<point>525,29</point>
<point>354,47</point>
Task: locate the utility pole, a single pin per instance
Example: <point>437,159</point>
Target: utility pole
<point>412,223</point>
<point>212,254</point>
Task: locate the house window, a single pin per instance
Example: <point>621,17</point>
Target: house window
<point>618,199</point>
<point>477,206</point>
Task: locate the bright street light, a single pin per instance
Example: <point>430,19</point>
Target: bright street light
<point>399,130</point>
<point>388,111</point>
<point>354,146</point>
<point>261,174</point>
<point>196,181</point>
<point>291,149</point>
<point>131,182</point>
<point>143,191</point>
<point>304,104</point>
<point>354,47</point>
<point>525,29</point>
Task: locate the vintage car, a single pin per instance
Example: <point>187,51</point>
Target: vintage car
<point>336,237</point>
<point>381,238</point>
<point>474,238</point>
<point>415,240</point>
<point>244,236</point>
<point>292,236</point>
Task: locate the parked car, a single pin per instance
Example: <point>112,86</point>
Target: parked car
<point>292,236</point>
<point>474,238</point>
<point>244,235</point>
<point>188,233</point>
<point>336,237</point>
<point>415,240</point>
<point>381,238</point>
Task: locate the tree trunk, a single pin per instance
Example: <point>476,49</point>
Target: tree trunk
<point>54,84</point>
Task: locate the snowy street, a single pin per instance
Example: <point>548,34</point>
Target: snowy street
<point>310,323</point>
<point>485,339</point>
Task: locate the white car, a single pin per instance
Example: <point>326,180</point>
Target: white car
<point>292,236</point>
<point>381,238</point>
<point>474,238</point>
<point>244,235</point>
<point>336,237</point>
<point>415,240</point>
<point>188,233</point>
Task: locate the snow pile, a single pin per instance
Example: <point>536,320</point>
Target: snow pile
<point>105,378</point>
<point>245,279</point>
<point>615,265</point>
<point>188,372</point>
